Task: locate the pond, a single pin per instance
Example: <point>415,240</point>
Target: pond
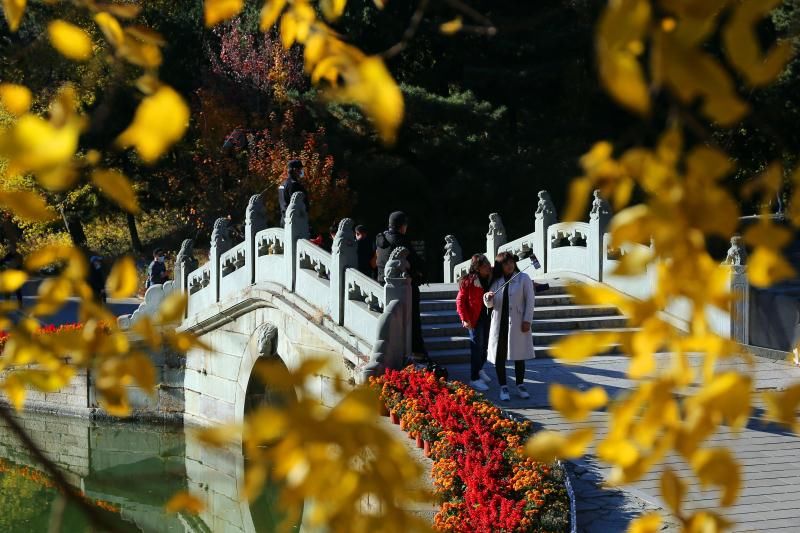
<point>128,471</point>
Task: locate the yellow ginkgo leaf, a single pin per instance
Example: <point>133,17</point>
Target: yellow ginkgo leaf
<point>547,446</point>
<point>117,187</point>
<point>672,490</point>
<point>110,28</point>
<point>13,10</point>
<point>580,346</point>
<point>183,502</point>
<point>27,205</point>
<point>332,9</point>
<point>217,11</point>
<point>220,435</point>
<point>160,121</point>
<point>706,522</point>
<point>623,76</point>
<point>378,95</point>
<point>716,466</point>
<point>648,523</point>
<point>71,41</point>
<point>11,280</point>
<point>172,308</point>
<point>575,405</point>
<point>579,191</point>
<point>743,48</point>
<point>141,368</point>
<point>14,390</point>
<point>15,98</point>
<point>782,405</point>
<point>358,406</point>
<point>767,234</point>
<point>270,12</point>
<point>634,261</point>
<point>452,26</point>
<point>123,281</point>
<point>766,267</point>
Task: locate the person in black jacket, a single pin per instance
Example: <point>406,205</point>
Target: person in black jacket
<point>365,248</point>
<point>294,173</point>
<point>387,241</point>
<point>97,278</point>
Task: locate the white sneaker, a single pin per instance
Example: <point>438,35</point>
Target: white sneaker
<point>485,377</point>
<point>504,396</point>
<point>522,392</point>
<point>478,385</point>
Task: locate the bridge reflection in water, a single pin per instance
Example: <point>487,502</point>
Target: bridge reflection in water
<point>129,471</point>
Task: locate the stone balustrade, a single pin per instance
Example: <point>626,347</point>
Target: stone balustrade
<point>580,250</point>
<point>283,259</point>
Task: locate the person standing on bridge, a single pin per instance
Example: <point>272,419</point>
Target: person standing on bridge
<point>385,242</point>
<point>511,299</point>
<point>292,184</point>
<point>157,271</point>
<point>475,316</point>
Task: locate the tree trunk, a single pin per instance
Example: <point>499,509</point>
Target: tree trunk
<point>74,227</point>
<point>136,243</point>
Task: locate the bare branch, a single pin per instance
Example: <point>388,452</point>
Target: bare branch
<point>413,26</point>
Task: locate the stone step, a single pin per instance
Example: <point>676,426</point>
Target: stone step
<point>443,291</point>
<point>542,300</point>
<point>444,323</point>
<point>581,322</point>
<point>563,311</point>
<point>541,339</point>
<point>462,355</point>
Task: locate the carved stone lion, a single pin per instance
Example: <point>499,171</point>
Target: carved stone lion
<point>496,226</point>
<point>737,255</point>
<point>268,340</point>
<point>600,206</point>
<point>345,236</point>
<point>256,214</point>
<point>221,235</point>
<point>397,266</point>
<point>185,257</point>
<point>545,206</point>
<point>452,249</point>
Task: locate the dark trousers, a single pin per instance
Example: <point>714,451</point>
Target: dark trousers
<point>417,342</point>
<point>478,346</point>
<point>500,366</point>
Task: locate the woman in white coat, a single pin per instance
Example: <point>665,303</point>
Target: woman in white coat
<point>510,335</point>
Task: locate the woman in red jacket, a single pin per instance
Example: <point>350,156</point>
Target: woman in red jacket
<point>475,317</point>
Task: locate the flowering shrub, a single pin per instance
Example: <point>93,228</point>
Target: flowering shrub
<point>481,476</point>
<point>49,329</point>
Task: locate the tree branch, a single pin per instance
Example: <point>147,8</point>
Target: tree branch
<point>97,520</point>
<point>413,26</point>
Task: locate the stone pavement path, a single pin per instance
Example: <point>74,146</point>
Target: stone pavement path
<point>769,498</point>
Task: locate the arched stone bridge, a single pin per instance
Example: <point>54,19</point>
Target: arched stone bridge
<point>278,295</point>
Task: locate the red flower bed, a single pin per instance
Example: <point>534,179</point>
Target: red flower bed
<point>50,329</point>
<point>481,475</point>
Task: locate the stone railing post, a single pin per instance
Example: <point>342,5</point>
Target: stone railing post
<point>255,220</point>
<point>545,217</point>
<point>452,256</point>
<point>295,226</point>
<point>393,336</point>
<point>343,256</point>
<point>185,262</point>
<point>599,217</point>
<point>495,237</point>
<point>740,291</point>
<point>220,243</point>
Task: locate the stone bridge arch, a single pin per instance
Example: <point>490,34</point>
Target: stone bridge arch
<point>261,324</point>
